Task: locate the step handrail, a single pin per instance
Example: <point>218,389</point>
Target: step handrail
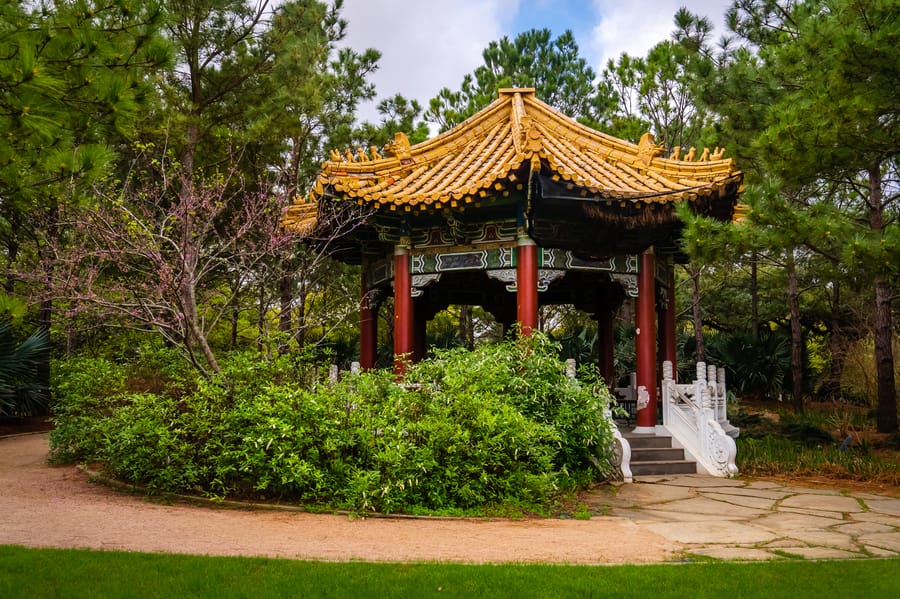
<point>702,435</point>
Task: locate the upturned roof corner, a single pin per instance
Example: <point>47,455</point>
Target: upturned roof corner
<point>487,155</point>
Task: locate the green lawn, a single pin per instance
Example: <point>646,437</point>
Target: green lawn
<point>37,573</point>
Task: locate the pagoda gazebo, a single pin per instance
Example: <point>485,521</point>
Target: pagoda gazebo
<point>517,207</point>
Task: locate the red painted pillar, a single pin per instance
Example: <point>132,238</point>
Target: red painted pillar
<point>645,344</point>
<point>605,344</point>
<point>403,308</point>
<point>527,283</point>
<point>669,352</point>
<point>368,324</point>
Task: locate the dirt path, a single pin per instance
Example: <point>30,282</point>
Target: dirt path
<point>44,506</point>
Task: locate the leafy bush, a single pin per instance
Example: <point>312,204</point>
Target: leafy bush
<point>754,367</point>
<point>500,425</point>
<point>86,391</point>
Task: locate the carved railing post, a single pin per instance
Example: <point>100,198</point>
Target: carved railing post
<point>667,382</point>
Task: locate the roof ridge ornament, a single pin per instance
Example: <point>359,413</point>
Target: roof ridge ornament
<point>648,149</point>
<point>519,122</point>
<point>399,148</point>
<point>705,156</point>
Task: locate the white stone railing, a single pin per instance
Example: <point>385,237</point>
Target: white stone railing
<point>695,415</point>
<point>621,447</point>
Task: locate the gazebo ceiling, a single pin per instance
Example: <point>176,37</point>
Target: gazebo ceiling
<point>518,139</point>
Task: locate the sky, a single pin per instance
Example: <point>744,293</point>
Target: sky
<point>430,44</point>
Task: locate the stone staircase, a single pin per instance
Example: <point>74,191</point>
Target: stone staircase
<point>654,455</point>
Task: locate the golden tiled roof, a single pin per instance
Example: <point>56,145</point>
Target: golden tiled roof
<point>484,156</point>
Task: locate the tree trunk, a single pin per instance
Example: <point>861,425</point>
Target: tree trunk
<point>837,344</point>
<point>12,252</point>
<point>796,334</point>
<point>261,320</point>
<point>696,312</point>
<point>754,296</point>
<point>193,329</point>
<point>466,332</point>
<point>884,359</point>
<point>884,352</point>
<point>300,335</point>
<point>286,304</point>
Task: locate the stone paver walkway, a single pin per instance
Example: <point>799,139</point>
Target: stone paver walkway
<point>755,520</point>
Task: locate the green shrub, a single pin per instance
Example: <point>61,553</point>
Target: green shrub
<point>86,391</point>
<point>500,425</point>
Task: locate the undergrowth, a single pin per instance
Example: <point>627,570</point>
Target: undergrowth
<point>818,442</point>
<point>499,429</point>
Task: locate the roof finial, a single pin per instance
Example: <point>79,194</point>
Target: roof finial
<point>648,148</point>
<point>399,148</point>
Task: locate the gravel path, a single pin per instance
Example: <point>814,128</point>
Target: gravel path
<point>46,506</point>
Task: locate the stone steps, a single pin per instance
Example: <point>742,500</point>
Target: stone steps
<point>654,455</point>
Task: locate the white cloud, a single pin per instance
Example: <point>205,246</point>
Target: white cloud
<point>635,27</point>
<point>430,44</point>
<point>425,45</point>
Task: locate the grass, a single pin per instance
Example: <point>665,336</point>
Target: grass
<point>36,573</point>
<point>777,442</point>
<point>770,456</point>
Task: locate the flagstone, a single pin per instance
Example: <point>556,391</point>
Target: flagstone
<point>811,491</point>
<point>885,540</point>
<point>710,532</point>
<point>884,506</point>
<point>837,516</point>
<point>822,553</point>
<point>712,508</point>
<point>825,538</point>
<point>648,494</point>
<point>781,543</point>
<point>835,503</point>
<point>861,528</point>
<point>764,484</point>
<point>784,522</point>
<point>700,481</point>
<point>892,521</point>
<point>879,552</point>
<point>656,515</point>
<point>886,519</point>
<point>742,500</point>
<point>774,495</point>
<point>736,553</point>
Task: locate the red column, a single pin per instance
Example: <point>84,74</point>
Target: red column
<point>403,308</point>
<point>605,344</point>
<point>668,325</point>
<point>368,325</point>
<point>526,283</point>
<point>645,342</point>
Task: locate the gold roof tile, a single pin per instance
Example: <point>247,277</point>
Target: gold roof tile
<point>481,156</point>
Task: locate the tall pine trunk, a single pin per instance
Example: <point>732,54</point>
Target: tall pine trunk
<point>796,334</point>
<point>286,303</point>
<point>884,330</point>
<point>754,295</point>
<point>837,345</point>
